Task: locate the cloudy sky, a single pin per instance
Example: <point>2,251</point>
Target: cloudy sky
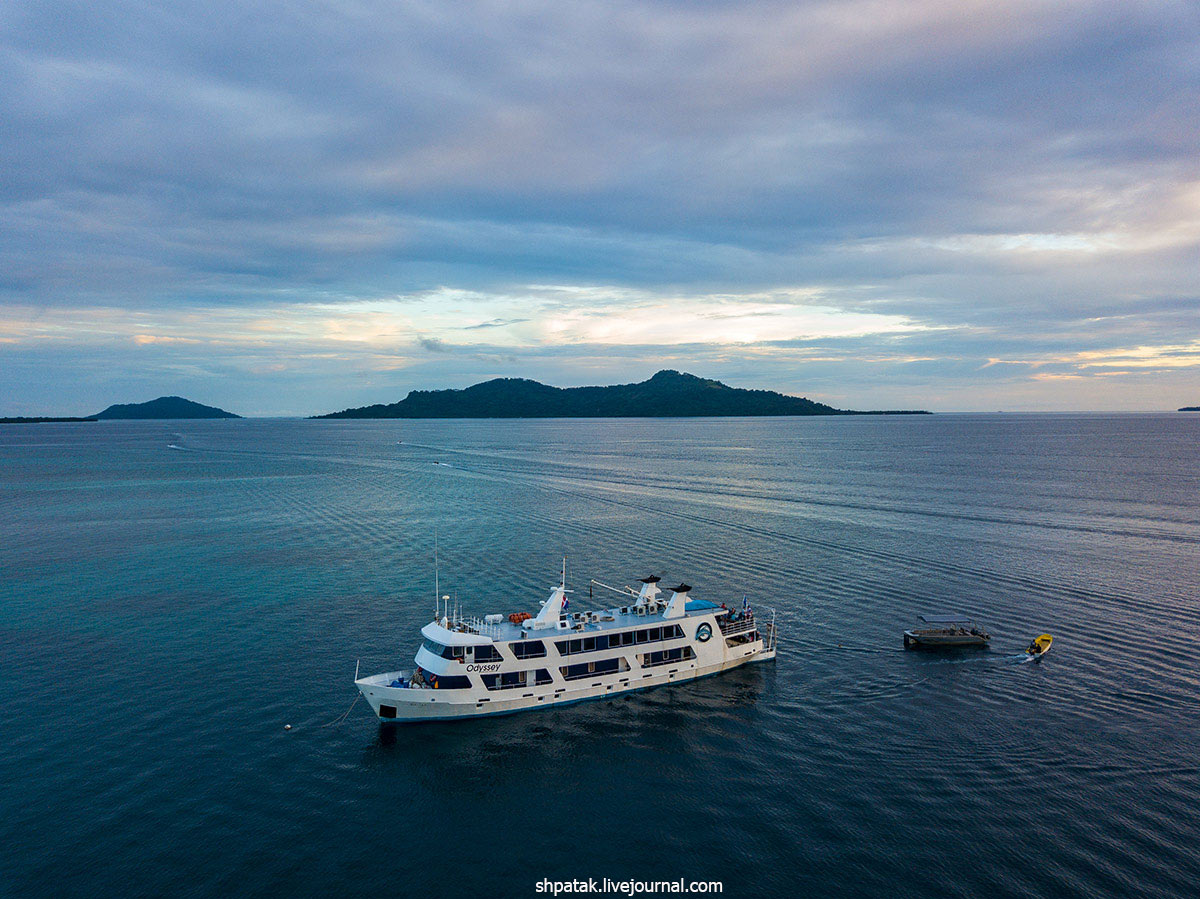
<point>293,208</point>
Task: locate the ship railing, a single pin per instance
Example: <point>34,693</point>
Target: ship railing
<point>473,624</point>
<point>729,628</point>
<point>769,635</point>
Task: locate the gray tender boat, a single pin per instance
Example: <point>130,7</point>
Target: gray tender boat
<point>946,631</point>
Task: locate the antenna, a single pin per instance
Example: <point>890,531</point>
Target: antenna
<point>436,589</point>
<point>564,573</point>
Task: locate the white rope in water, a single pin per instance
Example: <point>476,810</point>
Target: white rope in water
<point>345,714</point>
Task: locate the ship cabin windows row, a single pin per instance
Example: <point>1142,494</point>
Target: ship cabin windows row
<point>589,669</point>
<point>510,680</point>
<point>625,638</point>
<point>666,656</point>
<point>445,652</point>
<point>530,649</point>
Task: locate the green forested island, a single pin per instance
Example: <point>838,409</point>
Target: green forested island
<point>164,407</point>
<point>1189,409</point>
<point>668,394</point>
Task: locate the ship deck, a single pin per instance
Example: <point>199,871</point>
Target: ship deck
<point>591,621</point>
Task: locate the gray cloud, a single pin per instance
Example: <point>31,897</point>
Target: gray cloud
<point>434,344</point>
<point>496,323</point>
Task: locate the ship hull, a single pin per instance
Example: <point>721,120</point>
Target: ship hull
<point>918,640</point>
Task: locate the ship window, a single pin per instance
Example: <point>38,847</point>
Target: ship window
<point>655,633</point>
<point>387,711</point>
<point>664,656</point>
<point>445,652</point>
<point>583,669</point>
<point>510,680</point>
<point>534,649</point>
<point>576,646</point>
<point>627,638</point>
<point>641,636</point>
<point>436,648</point>
<point>602,641</point>
<point>452,682</point>
<point>486,654</point>
<point>589,644</point>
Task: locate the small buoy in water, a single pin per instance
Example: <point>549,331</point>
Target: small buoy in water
<point>287,727</point>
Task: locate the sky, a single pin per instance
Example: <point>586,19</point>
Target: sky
<point>287,209</point>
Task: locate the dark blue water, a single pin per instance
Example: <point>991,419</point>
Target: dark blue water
<point>173,593</point>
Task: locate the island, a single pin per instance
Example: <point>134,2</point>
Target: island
<point>1189,409</point>
<point>163,407</point>
<point>669,394</point>
<point>38,419</point>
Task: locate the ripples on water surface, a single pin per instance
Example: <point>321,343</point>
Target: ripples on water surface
<point>173,593</point>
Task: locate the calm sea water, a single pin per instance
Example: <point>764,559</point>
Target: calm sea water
<point>173,593</point>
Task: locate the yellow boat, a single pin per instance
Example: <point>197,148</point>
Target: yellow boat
<point>1040,646</point>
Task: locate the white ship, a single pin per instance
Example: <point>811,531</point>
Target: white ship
<point>468,667</point>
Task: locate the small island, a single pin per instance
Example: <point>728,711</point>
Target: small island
<point>163,407</point>
<point>38,420</point>
<point>1189,409</point>
<point>669,394</point>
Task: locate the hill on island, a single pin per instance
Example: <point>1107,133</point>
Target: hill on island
<point>666,395</point>
<point>1189,409</point>
<point>164,407</point>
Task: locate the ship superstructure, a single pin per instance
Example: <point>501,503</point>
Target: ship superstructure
<point>469,666</point>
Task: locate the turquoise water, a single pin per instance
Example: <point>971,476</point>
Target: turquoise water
<point>173,593</point>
